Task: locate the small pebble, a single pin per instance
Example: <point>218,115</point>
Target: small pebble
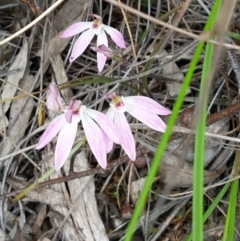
<point>126,212</point>
<point>140,162</point>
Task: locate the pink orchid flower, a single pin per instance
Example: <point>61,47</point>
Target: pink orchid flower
<point>96,27</point>
<point>142,108</point>
<point>98,128</point>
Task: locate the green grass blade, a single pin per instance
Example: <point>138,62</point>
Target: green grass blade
<point>232,210</point>
<point>199,147</point>
<point>211,207</point>
<point>228,233</point>
<point>229,227</point>
<point>234,35</point>
<point>199,150</point>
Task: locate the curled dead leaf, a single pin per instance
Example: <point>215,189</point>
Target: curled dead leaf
<point>174,175</point>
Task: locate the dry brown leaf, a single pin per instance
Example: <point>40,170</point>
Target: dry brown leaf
<point>19,235</point>
<point>20,64</point>
<point>136,188</point>
<point>59,188</point>
<point>82,217</point>
<point>15,222</point>
<point>16,72</point>
<point>44,239</point>
<point>172,174</point>
<point>68,231</point>
<point>60,75</point>
<point>85,213</point>
<point>20,112</point>
<point>41,215</point>
<point>71,12</point>
<point>4,236</point>
<point>213,146</point>
<point>171,70</point>
<point>43,195</point>
<point>61,215</point>
<point>6,49</point>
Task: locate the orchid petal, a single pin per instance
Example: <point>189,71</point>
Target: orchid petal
<point>81,44</point>
<point>149,119</point>
<point>95,138</point>
<point>111,111</point>
<point>110,95</point>
<point>145,104</point>
<point>104,122</point>
<point>72,109</point>
<point>52,130</point>
<point>108,141</point>
<point>68,116</point>
<point>96,16</point>
<point>64,143</point>
<point>115,35</point>
<point>74,29</point>
<point>101,58</point>
<point>125,135</point>
<point>75,105</point>
<point>110,114</point>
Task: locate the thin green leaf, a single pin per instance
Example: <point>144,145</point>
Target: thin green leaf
<point>199,151</point>
<point>211,207</point>
<point>228,233</point>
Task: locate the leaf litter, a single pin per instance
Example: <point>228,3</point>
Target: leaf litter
<point>99,205</point>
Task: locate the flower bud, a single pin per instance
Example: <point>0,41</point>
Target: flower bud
<point>54,101</point>
<point>102,49</point>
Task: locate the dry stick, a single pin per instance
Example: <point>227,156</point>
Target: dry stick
<point>159,22</point>
<point>44,14</point>
<point>130,35</point>
<point>223,113</point>
<point>16,97</point>
<point>164,40</point>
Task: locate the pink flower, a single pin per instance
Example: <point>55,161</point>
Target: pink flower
<point>142,108</point>
<point>98,129</point>
<point>54,101</point>
<point>67,133</point>
<point>96,27</point>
